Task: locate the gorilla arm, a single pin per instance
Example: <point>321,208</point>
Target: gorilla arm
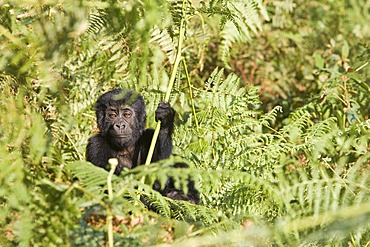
<point>163,148</point>
<point>99,152</point>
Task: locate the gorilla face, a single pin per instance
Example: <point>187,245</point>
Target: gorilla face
<point>123,129</point>
<point>121,117</point>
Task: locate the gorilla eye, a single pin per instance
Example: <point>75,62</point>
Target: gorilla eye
<point>112,115</point>
<point>127,114</point>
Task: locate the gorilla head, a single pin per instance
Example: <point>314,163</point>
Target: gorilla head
<point>121,117</point>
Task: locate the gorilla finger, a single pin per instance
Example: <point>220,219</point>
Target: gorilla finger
<point>164,104</point>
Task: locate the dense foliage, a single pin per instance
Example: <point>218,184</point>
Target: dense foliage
<point>273,117</point>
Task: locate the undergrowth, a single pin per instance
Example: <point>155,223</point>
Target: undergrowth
<point>272,118</point>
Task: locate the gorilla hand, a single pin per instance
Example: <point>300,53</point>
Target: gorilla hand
<point>166,114</point>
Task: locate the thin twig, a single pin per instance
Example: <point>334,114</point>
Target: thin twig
<point>170,85</point>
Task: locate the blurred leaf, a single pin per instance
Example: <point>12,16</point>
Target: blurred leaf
<point>319,62</point>
<point>345,50</point>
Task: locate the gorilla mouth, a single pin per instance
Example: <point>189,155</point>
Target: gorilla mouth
<point>119,134</point>
<point>122,136</point>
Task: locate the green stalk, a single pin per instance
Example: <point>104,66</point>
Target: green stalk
<point>170,85</point>
<point>191,92</point>
<point>113,163</point>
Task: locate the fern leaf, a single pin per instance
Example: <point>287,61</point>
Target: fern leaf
<point>245,18</point>
<point>97,21</point>
<point>92,177</point>
<point>165,42</point>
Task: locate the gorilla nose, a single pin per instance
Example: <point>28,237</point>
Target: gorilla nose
<point>120,126</point>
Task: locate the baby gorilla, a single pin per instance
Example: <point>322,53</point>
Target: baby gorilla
<point>121,118</point>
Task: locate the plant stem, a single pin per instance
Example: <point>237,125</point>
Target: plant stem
<point>170,85</point>
<point>190,91</point>
<point>110,227</point>
<point>113,164</point>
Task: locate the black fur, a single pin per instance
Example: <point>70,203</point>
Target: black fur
<point>135,145</point>
<point>121,118</point>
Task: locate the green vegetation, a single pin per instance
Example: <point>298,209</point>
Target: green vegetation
<point>273,117</point>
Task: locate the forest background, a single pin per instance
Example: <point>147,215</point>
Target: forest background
<point>272,101</point>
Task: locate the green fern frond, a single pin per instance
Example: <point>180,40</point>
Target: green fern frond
<point>321,134</point>
<point>241,199</point>
<point>270,117</point>
<point>226,115</point>
<point>165,42</point>
<point>159,203</point>
<point>225,94</point>
<point>97,21</point>
<point>245,18</point>
<point>299,122</point>
<point>92,177</point>
<point>180,9</point>
<point>281,9</point>
<point>314,192</point>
